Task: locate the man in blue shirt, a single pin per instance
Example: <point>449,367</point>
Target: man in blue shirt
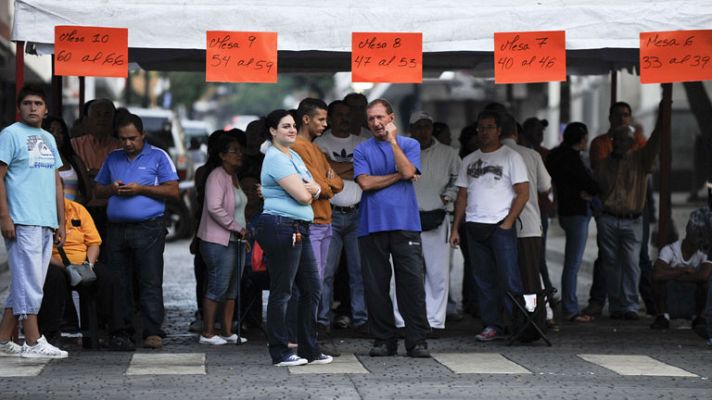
<point>389,225</point>
<point>137,180</point>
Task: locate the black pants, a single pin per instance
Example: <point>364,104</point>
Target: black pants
<point>409,267</point>
<point>57,299</point>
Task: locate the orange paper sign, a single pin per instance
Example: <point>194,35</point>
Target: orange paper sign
<point>524,57</point>
<point>91,51</point>
<point>387,57</point>
<point>241,57</point>
<point>677,56</point>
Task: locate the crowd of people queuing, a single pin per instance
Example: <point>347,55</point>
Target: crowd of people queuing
<point>324,189</point>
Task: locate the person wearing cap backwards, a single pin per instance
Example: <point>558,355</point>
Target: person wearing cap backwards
<point>385,167</point>
<point>434,190</point>
<point>622,177</point>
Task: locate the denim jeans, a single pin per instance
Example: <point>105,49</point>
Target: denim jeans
<point>496,270</point>
<point>320,236</point>
<point>344,228</point>
<point>137,248</point>
<point>576,230</point>
<point>224,267</point>
<point>620,241</point>
<point>289,264</point>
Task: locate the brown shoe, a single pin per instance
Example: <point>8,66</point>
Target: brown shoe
<point>152,342</point>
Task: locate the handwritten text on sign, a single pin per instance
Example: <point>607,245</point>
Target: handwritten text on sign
<point>677,56</point>
<point>91,51</point>
<point>521,57</point>
<point>387,57</point>
<point>241,57</point>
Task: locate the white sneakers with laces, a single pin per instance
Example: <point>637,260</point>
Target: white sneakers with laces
<point>43,349</point>
<point>10,349</point>
<point>213,340</point>
<point>233,339</point>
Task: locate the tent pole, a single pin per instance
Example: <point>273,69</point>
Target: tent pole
<point>82,94</point>
<point>56,92</point>
<point>614,86</point>
<point>664,219</point>
<point>19,70</point>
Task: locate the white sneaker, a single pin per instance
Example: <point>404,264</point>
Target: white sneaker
<point>321,360</point>
<point>215,340</point>
<point>291,360</point>
<point>10,349</point>
<point>43,349</point>
<point>233,339</point>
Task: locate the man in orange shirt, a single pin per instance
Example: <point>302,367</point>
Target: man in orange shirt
<point>311,122</point>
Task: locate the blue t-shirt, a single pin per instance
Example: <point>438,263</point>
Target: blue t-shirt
<point>151,167</point>
<point>394,207</point>
<point>275,167</point>
<point>32,159</point>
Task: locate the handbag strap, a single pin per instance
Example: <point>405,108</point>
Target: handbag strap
<point>62,254</point>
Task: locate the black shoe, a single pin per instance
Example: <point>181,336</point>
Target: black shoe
<point>419,351</point>
<point>631,316</point>
<point>361,329</point>
<point>383,350</point>
<point>615,315</point>
<point>323,330</point>
<point>660,323</point>
<point>699,326</point>
<point>121,343</point>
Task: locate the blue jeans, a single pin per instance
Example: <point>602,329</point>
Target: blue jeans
<point>224,267</point>
<point>576,230</point>
<point>620,240</point>
<point>289,264</point>
<point>137,248</point>
<point>495,267</point>
<point>344,229</point>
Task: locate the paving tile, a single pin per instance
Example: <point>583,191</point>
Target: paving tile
<point>479,363</point>
<point>167,364</point>
<point>635,365</point>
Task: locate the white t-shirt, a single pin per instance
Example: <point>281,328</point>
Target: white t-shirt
<point>672,255</point>
<point>489,179</point>
<point>342,150</point>
<point>529,224</point>
<point>439,165</point>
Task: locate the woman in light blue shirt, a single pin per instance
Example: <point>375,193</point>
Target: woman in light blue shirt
<point>283,232</point>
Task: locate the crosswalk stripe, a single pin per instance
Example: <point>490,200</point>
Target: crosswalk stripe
<point>167,364</point>
<point>635,365</point>
<point>479,363</point>
<point>16,366</point>
<point>347,363</point>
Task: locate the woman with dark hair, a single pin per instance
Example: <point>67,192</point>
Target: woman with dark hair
<point>73,171</point>
<point>283,232</point>
<point>574,187</point>
<point>222,234</point>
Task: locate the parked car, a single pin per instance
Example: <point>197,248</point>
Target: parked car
<point>196,140</point>
<point>163,129</point>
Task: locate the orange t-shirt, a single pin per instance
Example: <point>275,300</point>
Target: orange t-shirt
<point>81,232</point>
<point>316,163</point>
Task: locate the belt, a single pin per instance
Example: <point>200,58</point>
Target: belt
<point>132,223</point>
<point>345,210</point>
<point>623,216</point>
<point>278,219</point>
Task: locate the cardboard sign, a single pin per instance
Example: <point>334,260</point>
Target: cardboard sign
<point>91,51</point>
<point>241,57</point>
<point>525,57</point>
<point>676,56</point>
<point>387,57</point>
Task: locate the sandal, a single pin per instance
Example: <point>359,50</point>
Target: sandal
<point>580,318</point>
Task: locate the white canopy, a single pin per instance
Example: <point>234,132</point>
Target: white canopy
<point>457,34</point>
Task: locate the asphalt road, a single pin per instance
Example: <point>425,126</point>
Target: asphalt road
<point>602,360</point>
